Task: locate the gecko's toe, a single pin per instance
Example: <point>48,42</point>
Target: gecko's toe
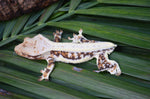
<point>69,38</point>
<point>57,31</point>
<point>61,31</point>
<point>97,71</point>
<point>47,79</point>
<point>41,78</point>
<point>41,71</point>
<point>118,74</point>
<point>115,70</point>
<point>80,32</point>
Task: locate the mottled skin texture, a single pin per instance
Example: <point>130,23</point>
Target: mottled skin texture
<point>10,9</point>
<point>68,55</point>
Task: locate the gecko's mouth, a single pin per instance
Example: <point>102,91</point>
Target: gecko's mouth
<point>19,51</point>
<point>23,49</point>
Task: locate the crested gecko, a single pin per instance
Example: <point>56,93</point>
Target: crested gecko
<point>79,50</point>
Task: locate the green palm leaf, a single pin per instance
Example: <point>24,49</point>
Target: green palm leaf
<point>125,23</point>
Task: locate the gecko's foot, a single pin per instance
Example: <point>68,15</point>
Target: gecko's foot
<point>57,35</point>
<point>41,78</point>
<point>45,75</point>
<point>96,71</point>
<point>80,38</point>
<point>115,70</point>
<point>77,38</point>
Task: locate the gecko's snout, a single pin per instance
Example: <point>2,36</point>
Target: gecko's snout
<point>18,50</point>
<point>23,48</point>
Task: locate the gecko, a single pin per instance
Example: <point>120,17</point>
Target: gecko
<point>78,51</point>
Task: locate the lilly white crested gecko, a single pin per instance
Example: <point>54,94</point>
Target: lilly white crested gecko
<point>78,51</point>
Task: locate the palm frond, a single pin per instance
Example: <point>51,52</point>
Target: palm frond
<point>124,22</point>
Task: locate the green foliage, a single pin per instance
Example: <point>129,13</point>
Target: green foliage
<point>125,23</point>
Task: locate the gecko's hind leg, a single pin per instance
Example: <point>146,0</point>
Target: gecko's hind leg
<point>47,71</point>
<point>115,70</point>
<point>80,38</point>
<point>57,35</point>
<point>104,64</point>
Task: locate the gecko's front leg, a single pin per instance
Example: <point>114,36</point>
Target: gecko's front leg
<point>80,38</point>
<point>50,60</point>
<point>57,35</point>
<point>47,71</point>
<point>104,64</point>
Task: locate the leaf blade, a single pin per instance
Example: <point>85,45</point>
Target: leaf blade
<point>135,13</point>
<point>8,28</point>
<point>73,5</point>
<point>127,2</point>
<point>20,22</point>
<point>48,12</point>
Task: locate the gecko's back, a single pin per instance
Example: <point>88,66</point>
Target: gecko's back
<point>39,45</point>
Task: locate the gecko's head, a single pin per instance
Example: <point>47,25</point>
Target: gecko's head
<point>32,46</point>
<point>26,48</point>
